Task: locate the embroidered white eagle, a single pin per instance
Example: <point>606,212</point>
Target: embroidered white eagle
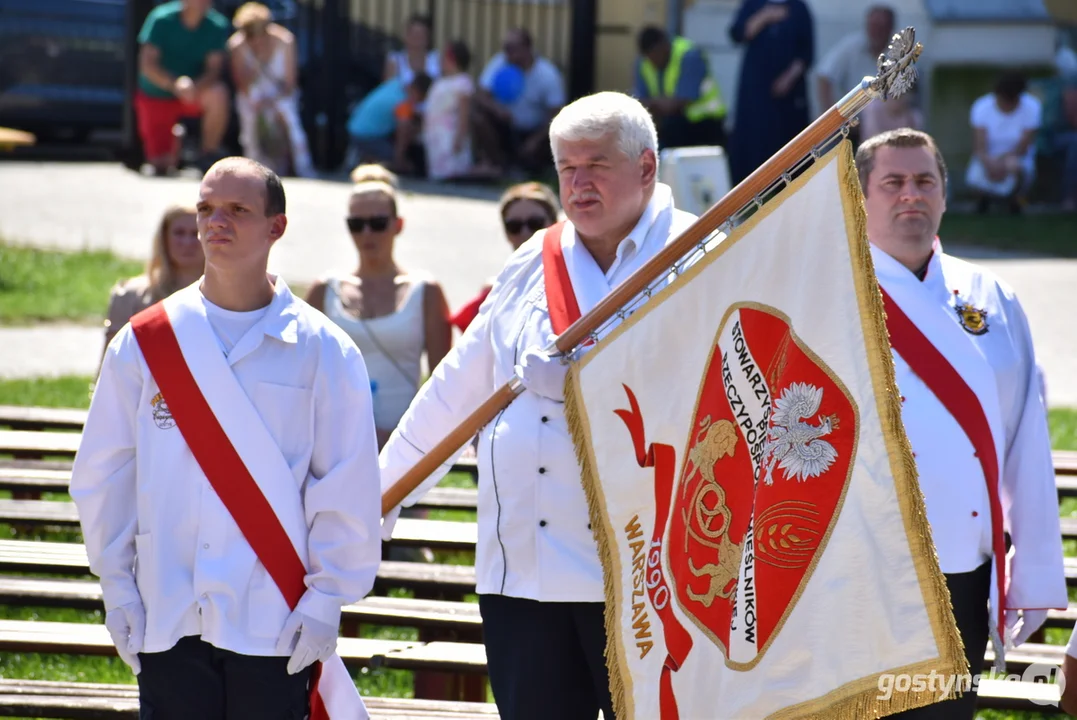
<point>793,445</point>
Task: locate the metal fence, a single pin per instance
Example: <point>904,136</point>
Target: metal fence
<point>342,46</point>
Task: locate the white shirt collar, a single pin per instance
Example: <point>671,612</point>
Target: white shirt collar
<point>589,283</point>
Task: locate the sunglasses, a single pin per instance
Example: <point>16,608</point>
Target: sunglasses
<point>377,223</point>
<point>534,224</point>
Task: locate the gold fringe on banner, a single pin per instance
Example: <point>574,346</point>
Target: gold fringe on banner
<point>858,698</point>
<point>616,663</point>
<point>888,400</point>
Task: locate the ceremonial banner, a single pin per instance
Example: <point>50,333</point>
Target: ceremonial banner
<point>764,540</point>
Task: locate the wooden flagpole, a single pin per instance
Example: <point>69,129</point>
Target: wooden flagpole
<point>896,75</point>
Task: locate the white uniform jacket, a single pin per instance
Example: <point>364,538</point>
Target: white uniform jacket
<point>535,538</point>
<point>294,399</point>
<point>977,323</point>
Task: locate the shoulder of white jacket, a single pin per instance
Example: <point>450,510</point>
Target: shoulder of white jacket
<point>976,277</point>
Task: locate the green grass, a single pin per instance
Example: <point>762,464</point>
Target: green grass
<point>52,285</point>
<point>72,392</point>
<point>1046,234</point>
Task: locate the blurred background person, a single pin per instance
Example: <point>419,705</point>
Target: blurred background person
<point>525,209</point>
<point>1004,125</point>
<point>519,94</point>
<point>176,261</point>
<point>418,55</point>
<point>673,81</point>
<point>854,57</point>
<point>394,316</point>
<point>879,117</point>
<point>772,95</point>
<point>446,128</point>
<point>264,70</point>
<point>180,63</point>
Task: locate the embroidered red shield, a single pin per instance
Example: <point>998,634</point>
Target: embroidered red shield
<point>767,465</point>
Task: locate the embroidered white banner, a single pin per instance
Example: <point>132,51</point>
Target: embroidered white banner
<point>764,539</point>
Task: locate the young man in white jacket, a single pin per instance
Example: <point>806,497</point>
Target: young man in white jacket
<point>972,408</point>
<point>539,576</point>
<point>227,480</point>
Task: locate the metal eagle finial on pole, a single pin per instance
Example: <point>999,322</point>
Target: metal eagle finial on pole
<point>896,74</point>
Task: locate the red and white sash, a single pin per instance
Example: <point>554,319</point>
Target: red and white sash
<point>253,483</point>
<point>963,403</point>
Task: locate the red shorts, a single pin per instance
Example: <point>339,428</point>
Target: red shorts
<point>156,116</point>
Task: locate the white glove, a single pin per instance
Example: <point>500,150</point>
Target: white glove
<point>127,626</point>
<point>317,641</point>
<point>542,374</point>
<point>1021,629</point>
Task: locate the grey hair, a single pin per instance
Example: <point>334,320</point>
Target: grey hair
<point>595,116</point>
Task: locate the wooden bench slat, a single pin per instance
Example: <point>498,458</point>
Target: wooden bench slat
<point>1065,462</point>
<point>67,443</point>
<point>75,701</point>
<point>407,612</point>
<point>409,532</point>
<point>438,498</point>
<point>1018,696</point>
<point>69,558</point>
<point>93,639</point>
<point>448,656</point>
<point>21,417</point>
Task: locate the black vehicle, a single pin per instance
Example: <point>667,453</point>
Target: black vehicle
<point>64,65</point>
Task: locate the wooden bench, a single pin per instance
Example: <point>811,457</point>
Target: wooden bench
<point>89,639</point>
<point>461,617</point>
<point>30,444</point>
<point>37,480</point>
<point>86,701</point>
<point>56,558</point>
<point>408,532</point>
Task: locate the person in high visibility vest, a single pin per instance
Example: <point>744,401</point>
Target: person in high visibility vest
<point>674,82</point>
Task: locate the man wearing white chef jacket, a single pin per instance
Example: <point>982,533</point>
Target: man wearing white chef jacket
<point>539,576</point>
<point>227,481</point>
<point>972,408</point>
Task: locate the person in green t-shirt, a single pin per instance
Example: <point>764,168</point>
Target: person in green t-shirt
<point>180,60</point>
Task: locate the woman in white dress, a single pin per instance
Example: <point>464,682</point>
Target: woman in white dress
<point>264,69</point>
<point>417,55</point>
<point>395,316</point>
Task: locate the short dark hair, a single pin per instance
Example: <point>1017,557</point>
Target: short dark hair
<point>422,82</point>
<point>901,138</point>
<point>886,9</point>
<point>461,54</point>
<point>524,35</point>
<point>420,19</point>
<point>1010,86</point>
<point>275,201</point>
<point>649,38</point>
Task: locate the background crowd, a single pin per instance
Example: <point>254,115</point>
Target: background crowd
<point>443,114</point>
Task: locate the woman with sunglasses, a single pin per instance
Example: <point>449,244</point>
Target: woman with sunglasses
<point>525,209</point>
<point>393,316</point>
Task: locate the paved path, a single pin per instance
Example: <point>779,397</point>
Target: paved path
<point>458,238</point>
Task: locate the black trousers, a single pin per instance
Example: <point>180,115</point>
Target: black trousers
<point>969,594</point>
<point>193,679</point>
<point>546,659</point>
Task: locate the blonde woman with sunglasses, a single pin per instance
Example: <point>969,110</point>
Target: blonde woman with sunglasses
<point>395,316</point>
<point>176,261</point>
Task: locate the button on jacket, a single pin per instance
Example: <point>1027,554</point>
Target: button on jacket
<point>535,539</point>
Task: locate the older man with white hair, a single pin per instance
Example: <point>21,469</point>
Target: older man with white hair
<point>539,577</point>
